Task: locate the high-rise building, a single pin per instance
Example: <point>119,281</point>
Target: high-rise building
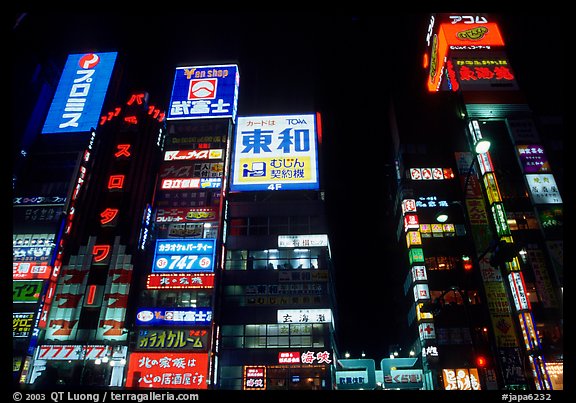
<point>175,324</point>
<point>484,282</point>
<point>276,304</point>
<point>80,212</point>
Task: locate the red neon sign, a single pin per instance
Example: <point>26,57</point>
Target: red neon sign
<point>100,252</point>
<point>138,98</point>
<point>123,150</point>
<point>116,182</point>
<point>108,215</point>
<point>168,370</point>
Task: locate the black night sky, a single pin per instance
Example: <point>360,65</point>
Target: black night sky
<point>344,66</point>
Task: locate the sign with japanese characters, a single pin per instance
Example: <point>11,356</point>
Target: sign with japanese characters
<point>201,92</point>
<point>304,316</point>
<point>189,214</point>
<point>174,316</point>
<point>30,270</point>
<point>304,357</point>
<point>193,339</point>
<point>186,155</point>
<point>275,153</point>
<point>184,255</point>
<point>485,74</point>
<point>168,370</point>
<point>461,379</point>
<point>533,158</point>
<point>80,94</point>
<point>543,189</point>
<point>163,281</point>
<point>517,288</point>
<point>26,291</point>
<point>297,241</point>
<point>22,323</point>
<point>254,377</point>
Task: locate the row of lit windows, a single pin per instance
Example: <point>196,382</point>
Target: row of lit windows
<point>273,335</point>
<point>274,259</point>
<point>280,225</point>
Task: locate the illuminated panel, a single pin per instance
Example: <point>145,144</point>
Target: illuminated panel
<point>461,379</point>
<point>295,241</point>
<point>168,370</point>
<point>517,287</point>
<point>201,92</point>
<point>184,255</point>
<point>190,183</point>
<point>174,316</point>
<point>533,158</point>
<point>174,340</point>
<point>289,357</point>
<point>529,333</point>
<point>460,36</point>
<point>180,281</point>
<point>72,352</point>
<point>254,377</point>
<point>543,189</point>
<point>80,93</point>
<point>186,214</point>
<point>408,206</point>
<point>483,74</point>
<point>419,273</point>
<point>304,316</point>
<point>491,186</point>
<point>471,36</point>
<point>500,220</point>
<point>187,155</point>
<point>416,255</point>
<point>22,323</point>
<point>30,270</point>
<point>411,222</point>
<point>431,173</point>
<point>275,153</point>
<point>413,238</point>
<point>421,292</point>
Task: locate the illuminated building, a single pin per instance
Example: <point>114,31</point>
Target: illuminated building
<point>483,288</point>
<point>277,308</point>
<point>81,210</point>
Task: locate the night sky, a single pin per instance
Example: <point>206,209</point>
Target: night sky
<point>344,66</point>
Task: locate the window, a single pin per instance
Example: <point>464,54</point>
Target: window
<point>273,336</point>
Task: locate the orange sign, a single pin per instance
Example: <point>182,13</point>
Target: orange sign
<point>450,37</point>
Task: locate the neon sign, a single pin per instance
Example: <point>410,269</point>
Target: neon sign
<point>80,93</point>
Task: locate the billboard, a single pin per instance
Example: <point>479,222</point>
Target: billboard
<point>174,316</point>
<point>168,370</point>
<point>176,340</point>
<point>80,94</point>
<point>275,153</point>
<point>460,36</point>
<point>26,291</point>
<point>184,255</point>
<point>201,92</point>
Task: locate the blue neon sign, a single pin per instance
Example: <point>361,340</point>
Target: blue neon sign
<point>184,255</point>
<point>202,92</point>
<point>80,94</point>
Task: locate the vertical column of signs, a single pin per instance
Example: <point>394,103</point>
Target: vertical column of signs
<point>419,280</point>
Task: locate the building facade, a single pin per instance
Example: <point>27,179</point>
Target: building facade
<point>485,286</point>
<point>90,164</point>
<point>277,303</point>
